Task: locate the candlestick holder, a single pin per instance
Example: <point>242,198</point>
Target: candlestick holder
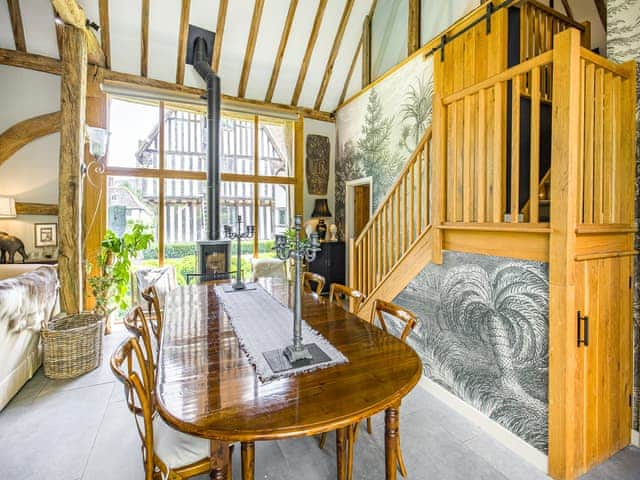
<point>297,250</point>
<point>239,235</point>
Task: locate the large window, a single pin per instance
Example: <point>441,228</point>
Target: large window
<point>157,170</point>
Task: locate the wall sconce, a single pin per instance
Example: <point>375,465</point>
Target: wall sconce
<point>98,140</point>
<point>7,207</point>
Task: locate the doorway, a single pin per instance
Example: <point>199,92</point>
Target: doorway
<point>358,204</point>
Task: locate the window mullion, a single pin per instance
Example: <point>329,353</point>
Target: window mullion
<point>161,182</point>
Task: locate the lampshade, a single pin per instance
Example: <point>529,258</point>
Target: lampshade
<point>321,208</point>
<point>98,140</point>
<point>7,207</point>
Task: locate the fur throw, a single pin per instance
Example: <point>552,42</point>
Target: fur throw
<point>28,299</point>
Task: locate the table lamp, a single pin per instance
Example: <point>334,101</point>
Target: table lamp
<point>321,211</point>
<point>7,207</point>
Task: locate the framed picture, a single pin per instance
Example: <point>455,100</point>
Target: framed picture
<point>46,234</point>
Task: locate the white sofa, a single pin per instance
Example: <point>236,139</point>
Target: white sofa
<point>28,295</point>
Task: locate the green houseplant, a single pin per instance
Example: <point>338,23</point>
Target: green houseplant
<point>110,285</point>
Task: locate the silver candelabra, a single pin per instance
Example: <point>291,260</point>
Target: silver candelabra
<point>239,235</point>
<point>297,250</point>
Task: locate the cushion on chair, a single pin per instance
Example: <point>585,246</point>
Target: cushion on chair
<point>177,449</point>
<point>163,278</point>
<point>268,268</point>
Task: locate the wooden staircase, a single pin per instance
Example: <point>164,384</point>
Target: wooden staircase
<point>396,243</point>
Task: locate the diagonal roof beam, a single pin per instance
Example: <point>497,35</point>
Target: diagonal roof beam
<point>567,8</point>
<point>334,53</point>
<point>144,39</point>
<point>72,14</point>
<point>105,38</point>
<point>251,46</point>
<point>182,41</point>
<point>350,74</point>
<point>16,25</point>
<point>307,54</point>
<point>293,4</point>
<point>602,12</point>
<point>59,30</point>
<point>217,47</point>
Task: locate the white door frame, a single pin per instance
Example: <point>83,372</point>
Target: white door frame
<point>349,199</point>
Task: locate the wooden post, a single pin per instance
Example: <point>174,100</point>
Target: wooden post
<point>366,51</point>
<point>565,419</point>
<point>413,37</point>
<point>438,176</point>
<point>73,102</point>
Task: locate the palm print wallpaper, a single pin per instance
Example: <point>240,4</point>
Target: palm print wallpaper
<point>623,44</point>
<point>483,335</point>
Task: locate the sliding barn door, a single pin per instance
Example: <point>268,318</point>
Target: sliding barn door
<point>604,343</point>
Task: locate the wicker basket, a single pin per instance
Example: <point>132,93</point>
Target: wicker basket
<point>72,344</point>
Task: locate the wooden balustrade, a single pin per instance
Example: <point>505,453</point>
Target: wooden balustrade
<point>605,163</point>
<point>480,187</point>
<point>538,26</point>
<point>401,218</point>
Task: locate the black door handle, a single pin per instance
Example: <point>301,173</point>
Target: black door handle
<point>583,339</point>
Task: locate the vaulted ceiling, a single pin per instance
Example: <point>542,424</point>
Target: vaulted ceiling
<point>302,50</point>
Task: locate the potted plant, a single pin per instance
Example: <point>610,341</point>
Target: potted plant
<point>110,286</point>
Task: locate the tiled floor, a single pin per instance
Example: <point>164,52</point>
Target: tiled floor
<point>81,429</point>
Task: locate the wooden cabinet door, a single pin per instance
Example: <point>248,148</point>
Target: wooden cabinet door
<point>605,364</point>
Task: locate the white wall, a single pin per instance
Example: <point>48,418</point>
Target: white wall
<point>328,129</point>
<point>31,174</point>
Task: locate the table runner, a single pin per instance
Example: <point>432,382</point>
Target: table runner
<point>263,324</point>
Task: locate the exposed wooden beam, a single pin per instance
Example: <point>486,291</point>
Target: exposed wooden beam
<point>284,39</point>
<point>73,95</point>
<point>59,30</point>
<point>105,38</point>
<point>251,46</point>
<point>602,12</point>
<point>413,37</point>
<point>182,40</point>
<point>347,81</point>
<point>54,66</point>
<point>72,14</point>
<point>366,51</point>
<point>307,54</point>
<point>337,41</point>
<point>144,39</point>
<point>217,47</point>
<point>17,136</point>
<point>28,208</point>
<point>567,8</point>
<point>30,61</point>
<point>16,25</point>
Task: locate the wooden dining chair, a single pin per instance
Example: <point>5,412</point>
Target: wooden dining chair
<point>345,297</point>
<point>139,326</point>
<point>150,295</point>
<point>166,452</point>
<point>408,318</point>
<point>308,278</point>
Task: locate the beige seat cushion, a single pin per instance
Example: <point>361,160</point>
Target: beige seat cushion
<point>177,449</point>
<point>268,268</point>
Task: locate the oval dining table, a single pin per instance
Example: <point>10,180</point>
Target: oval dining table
<point>207,387</point>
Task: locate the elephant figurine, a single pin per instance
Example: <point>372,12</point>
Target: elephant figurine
<point>9,245</point>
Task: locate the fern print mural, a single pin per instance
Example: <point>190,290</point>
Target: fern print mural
<point>483,335</point>
<point>378,131</point>
<point>623,44</point>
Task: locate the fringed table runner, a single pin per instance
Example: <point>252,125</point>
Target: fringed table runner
<point>264,325</point>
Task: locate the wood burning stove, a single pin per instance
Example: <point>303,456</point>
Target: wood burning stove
<point>214,259</point>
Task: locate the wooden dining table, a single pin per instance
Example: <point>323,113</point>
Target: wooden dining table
<point>207,387</point>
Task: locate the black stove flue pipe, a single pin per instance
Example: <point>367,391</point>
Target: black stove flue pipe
<point>201,58</point>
